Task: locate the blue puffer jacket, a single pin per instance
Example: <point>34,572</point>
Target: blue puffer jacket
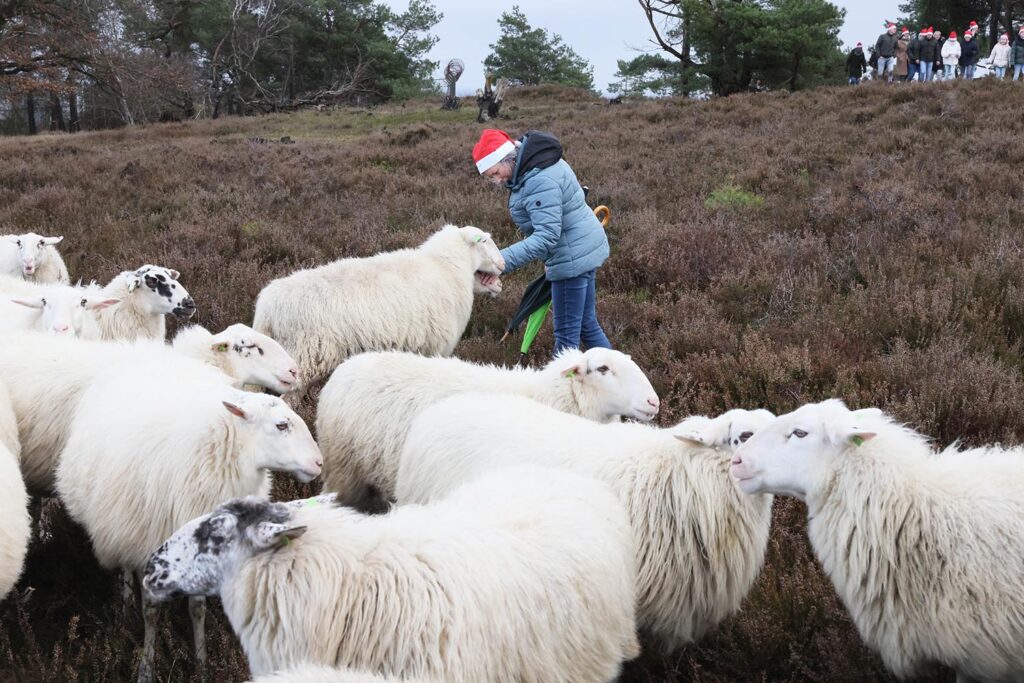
<point>548,206</point>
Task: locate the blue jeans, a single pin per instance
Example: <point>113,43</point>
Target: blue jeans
<point>574,307</point>
<point>1000,72</point>
<point>912,70</point>
<point>886,65</point>
<point>925,69</point>
<point>968,72</point>
<point>1018,69</point>
<point>950,70</point>
<point>854,80</point>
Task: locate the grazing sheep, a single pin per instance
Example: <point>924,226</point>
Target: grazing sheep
<point>152,446</point>
<point>32,257</point>
<point>924,549</point>
<point>524,576</point>
<point>146,295</point>
<point>241,353</point>
<point>361,448</point>
<point>49,308</point>
<point>326,674</point>
<point>48,374</point>
<point>415,300</point>
<point>16,526</point>
<point>700,541</point>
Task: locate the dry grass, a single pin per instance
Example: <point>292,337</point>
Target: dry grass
<point>862,243</point>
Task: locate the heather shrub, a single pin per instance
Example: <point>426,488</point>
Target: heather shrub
<point>767,250</point>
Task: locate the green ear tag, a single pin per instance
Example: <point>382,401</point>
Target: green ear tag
<point>857,441</point>
<point>311,502</point>
<point>571,373</point>
<point>285,541</point>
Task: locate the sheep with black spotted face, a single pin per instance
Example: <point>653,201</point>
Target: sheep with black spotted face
<point>923,548</point>
<point>416,300</point>
<point>146,295</point>
<point>32,257</point>
<point>243,354</point>
<point>360,449</point>
<point>700,541</point>
<point>525,576</point>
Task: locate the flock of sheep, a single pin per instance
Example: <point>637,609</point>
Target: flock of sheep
<point>529,531</point>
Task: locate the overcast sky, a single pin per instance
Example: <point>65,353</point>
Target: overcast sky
<point>602,31</point>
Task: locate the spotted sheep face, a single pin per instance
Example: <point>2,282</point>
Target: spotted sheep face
<point>201,554</point>
<point>32,250</point>
<point>255,358</point>
<point>728,431</point>
<point>161,291</point>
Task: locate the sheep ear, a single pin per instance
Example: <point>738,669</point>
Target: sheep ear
<point>133,283</point>
<point>92,304</point>
<point>267,535</point>
<point>578,370</point>
<point>52,240</point>
<point>220,347</point>
<point>174,274</point>
<point>31,303</point>
<point>858,436</point>
<point>234,409</point>
<point>710,433</point>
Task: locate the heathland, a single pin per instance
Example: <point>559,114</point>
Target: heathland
<point>767,250</point>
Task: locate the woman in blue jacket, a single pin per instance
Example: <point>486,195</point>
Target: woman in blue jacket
<point>548,205</point>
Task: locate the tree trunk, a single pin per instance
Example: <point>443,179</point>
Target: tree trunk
<point>74,125</point>
<point>56,113</point>
<point>795,73</point>
<point>30,111</point>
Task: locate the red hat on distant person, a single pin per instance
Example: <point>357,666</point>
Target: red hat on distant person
<point>952,35</point>
<point>860,44</point>
<point>494,145</point>
<point>905,30</point>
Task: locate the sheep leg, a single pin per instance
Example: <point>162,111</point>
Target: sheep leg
<point>128,589</point>
<point>150,612</point>
<point>197,611</point>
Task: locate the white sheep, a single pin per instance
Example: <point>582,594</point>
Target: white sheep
<point>48,374</point>
<point>700,541</point>
<point>360,447</point>
<point>326,674</point>
<point>241,353</point>
<point>49,308</point>
<point>923,549</point>
<point>146,295</point>
<point>415,300</point>
<point>32,257</point>
<point>152,446</point>
<point>524,576</point>
<point>16,525</point>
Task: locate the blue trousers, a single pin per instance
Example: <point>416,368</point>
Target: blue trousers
<point>574,308</point>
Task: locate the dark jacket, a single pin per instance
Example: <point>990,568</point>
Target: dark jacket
<point>968,53</point>
<point>914,50</point>
<point>885,46</point>
<point>928,50</point>
<point>856,65</point>
<point>1017,55</point>
<point>549,207</point>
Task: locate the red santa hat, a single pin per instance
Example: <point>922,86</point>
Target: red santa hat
<point>905,30</point>
<point>494,145</point>
<point>860,44</point>
<point>889,25</point>
<point>952,35</point>
<point>973,27</point>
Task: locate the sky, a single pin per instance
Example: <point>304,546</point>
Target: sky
<point>602,31</point>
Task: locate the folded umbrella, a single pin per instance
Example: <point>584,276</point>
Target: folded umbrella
<point>536,302</point>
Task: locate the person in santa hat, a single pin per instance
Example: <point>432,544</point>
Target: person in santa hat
<point>548,205</point>
<point>937,69</point>
<point>1017,54</point>
<point>1000,56</point>
<point>885,48</point>
<point>968,56</point>
<point>950,55</point>
<point>927,53</point>
<point>914,54</point>
<point>856,64</point>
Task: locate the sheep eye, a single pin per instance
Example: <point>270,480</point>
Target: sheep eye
<point>745,435</point>
<point>18,242</point>
<point>799,433</point>
<point>83,304</point>
<point>40,244</point>
<point>259,349</point>
<point>43,300</point>
<point>603,369</point>
<point>283,426</point>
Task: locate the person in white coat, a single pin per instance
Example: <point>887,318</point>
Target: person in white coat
<point>1001,56</point>
<point>950,56</point>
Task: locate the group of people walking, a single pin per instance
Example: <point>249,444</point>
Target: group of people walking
<point>927,56</point>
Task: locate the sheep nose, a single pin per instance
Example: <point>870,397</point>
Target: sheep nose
<point>294,372</point>
<point>737,460</point>
<point>61,328</point>
<point>188,303</point>
<point>654,402</point>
